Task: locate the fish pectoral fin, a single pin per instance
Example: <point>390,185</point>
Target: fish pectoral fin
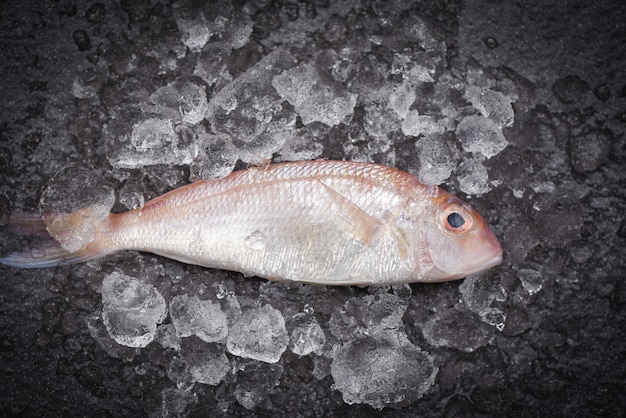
<point>358,223</point>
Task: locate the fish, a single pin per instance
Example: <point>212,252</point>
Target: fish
<point>320,222</point>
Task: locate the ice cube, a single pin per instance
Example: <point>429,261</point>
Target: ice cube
<point>473,177</point>
<point>482,294</point>
<point>459,329</point>
<point>131,309</point>
<point>216,158</point>
<point>193,102</point>
<point>255,381</point>
<point>249,107</point>
<point>76,201</point>
<point>415,124</point>
<point>479,134</point>
<point>207,362</point>
<point>203,318</point>
<point>177,402</point>
<point>401,98</point>
<point>153,139</point>
<point>307,335</point>
<point>259,334</point>
<point>315,97</point>
<point>491,104</point>
<point>166,336</point>
<point>100,334</point>
<point>382,371</point>
<point>437,161</point>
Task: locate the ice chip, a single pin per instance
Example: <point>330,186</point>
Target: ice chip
<point>212,63</point>
<point>481,291</point>
<point>255,381</point>
<point>492,104</point>
<point>207,362</point>
<point>314,96</point>
<point>415,124</point>
<point>479,134</point>
<point>216,158</point>
<point>259,334</point>
<point>383,311</point>
<point>249,112</point>
<point>473,177</point>
<point>166,336</point>
<point>307,336</point>
<point>153,139</point>
<point>462,330</point>
<point>381,372</point>
<point>401,98</point>
<point>532,280</point>
<point>74,204</point>
<point>437,160</point>
<point>131,310</point>
<point>379,120</point>
<point>177,402</point>
<point>100,334</point>
<point>482,294</point>
<point>300,146</point>
<point>152,134</point>
<point>193,103</point>
<point>203,318</point>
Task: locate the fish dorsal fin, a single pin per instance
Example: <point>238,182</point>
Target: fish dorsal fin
<point>354,220</point>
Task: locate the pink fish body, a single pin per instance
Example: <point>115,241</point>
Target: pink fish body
<point>324,222</point>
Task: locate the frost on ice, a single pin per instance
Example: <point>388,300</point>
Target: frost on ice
<point>131,310</point>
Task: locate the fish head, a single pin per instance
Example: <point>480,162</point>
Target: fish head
<point>458,241</point>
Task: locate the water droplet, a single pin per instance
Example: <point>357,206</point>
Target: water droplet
<point>256,240</point>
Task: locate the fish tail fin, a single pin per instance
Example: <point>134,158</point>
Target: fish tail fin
<point>52,252</point>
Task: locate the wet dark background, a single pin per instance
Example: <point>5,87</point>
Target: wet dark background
<point>556,199</point>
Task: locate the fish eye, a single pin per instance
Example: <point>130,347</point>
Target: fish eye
<point>457,218</point>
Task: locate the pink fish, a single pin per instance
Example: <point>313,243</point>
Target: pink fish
<point>324,222</point>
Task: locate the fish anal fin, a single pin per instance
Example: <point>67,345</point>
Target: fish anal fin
<point>361,225</point>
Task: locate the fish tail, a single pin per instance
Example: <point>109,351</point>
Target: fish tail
<point>51,253</point>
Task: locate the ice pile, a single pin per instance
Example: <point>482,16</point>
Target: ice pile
<point>315,97</point>
<point>249,111</point>
<point>74,203</point>
<point>154,138</point>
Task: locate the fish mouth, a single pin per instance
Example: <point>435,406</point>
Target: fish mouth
<point>486,265</point>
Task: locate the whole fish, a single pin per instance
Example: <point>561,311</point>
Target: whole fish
<point>324,222</point>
